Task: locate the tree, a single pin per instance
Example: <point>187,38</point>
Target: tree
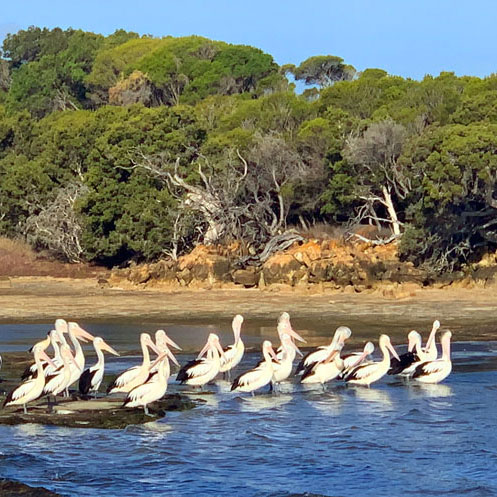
<point>322,70</point>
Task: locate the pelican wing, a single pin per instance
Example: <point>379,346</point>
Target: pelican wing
<point>318,355</point>
<point>195,368</point>
<point>426,368</point>
<point>361,371</point>
<point>20,391</point>
<point>139,392</point>
<point>246,379</point>
<point>124,378</point>
<point>406,360</point>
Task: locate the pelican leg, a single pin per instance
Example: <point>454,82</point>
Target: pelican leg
<point>324,386</point>
<point>145,408</point>
<point>25,409</point>
<point>271,387</point>
<point>253,394</point>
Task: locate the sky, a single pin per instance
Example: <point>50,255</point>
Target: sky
<point>409,38</point>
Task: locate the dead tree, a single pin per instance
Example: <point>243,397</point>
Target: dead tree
<point>56,226</point>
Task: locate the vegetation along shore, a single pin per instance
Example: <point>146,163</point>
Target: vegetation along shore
<point>125,150</point>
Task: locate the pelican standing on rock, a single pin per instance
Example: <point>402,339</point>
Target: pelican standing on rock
<point>260,376</point>
<point>32,389</point>
<point>203,369</point>
<point>437,370</point>
<point>136,375</point>
<point>31,370</point>
<point>365,374</point>
<point>59,381</point>
<point>92,377</point>
<point>233,353</point>
<point>154,387</point>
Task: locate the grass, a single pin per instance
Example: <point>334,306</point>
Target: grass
<point>17,258</point>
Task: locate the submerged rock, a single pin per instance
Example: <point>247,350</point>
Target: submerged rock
<point>10,488</point>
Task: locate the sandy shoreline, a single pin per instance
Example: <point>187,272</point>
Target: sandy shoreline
<point>38,299</point>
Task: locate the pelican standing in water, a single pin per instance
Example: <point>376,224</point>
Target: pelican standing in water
<point>355,358</point>
<point>154,387</point>
<point>203,369</point>
<point>233,353</point>
<point>282,367</point>
<point>325,370</point>
<point>136,375</point>
<point>260,376</point>
<point>403,365</point>
<point>32,389</point>
<point>92,377</point>
<point>437,370</point>
<point>342,333</point>
<point>365,374</point>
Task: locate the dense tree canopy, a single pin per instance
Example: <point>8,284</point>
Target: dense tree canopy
<point>128,147</point>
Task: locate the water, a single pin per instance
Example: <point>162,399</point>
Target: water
<point>390,439</point>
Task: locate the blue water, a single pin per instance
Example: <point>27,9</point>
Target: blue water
<point>391,439</point>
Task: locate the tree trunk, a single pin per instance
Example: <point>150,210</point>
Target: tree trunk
<point>391,211</point>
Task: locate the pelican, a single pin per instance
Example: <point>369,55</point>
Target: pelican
<point>154,387</point>
<point>77,333</point>
<point>162,342</point>
<point>353,359</point>
<point>284,324</point>
<point>59,381</point>
<point>233,353</point>
<point>431,347</point>
<point>325,370</point>
<point>437,370</point>
<point>282,368</point>
<point>402,366</point>
<point>260,376</point>
<point>30,371</point>
<point>365,374</point>
<point>136,375</point>
<point>342,333</point>
<point>32,389</point>
<point>203,369</point>
<point>92,377</point>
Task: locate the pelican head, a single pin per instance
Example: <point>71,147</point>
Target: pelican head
<point>413,339</point>
<point>236,325</point>
<point>103,345</point>
<point>162,340</point>
<point>386,343</point>
<point>146,341</point>
<point>80,333</point>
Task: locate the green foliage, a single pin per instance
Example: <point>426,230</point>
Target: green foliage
<point>322,70</point>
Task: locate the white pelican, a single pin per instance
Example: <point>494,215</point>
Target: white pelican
<point>203,369</point>
<point>285,325</point>
<point>59,381</point>
<point>365,374</point>
<point>154,387</point>
<point>76,333</point>
<point>233,353</point>
<point>30,371</point>
<point>282,368</point>
<point>353,359</point>
<point>162,341</point>
<point>325,370</point>
<point>431,347</point>
<point>437,370</point>
<point>92,377</point>
<point>342,333</point>
<point>32,389</point>
<point>260,376</point>
<point>403,365</point>
<point>136,375</point>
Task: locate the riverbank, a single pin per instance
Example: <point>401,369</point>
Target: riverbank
<point>469,312</point>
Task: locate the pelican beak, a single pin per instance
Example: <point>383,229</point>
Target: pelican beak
<point>159,359</point>
<point>333,354</point>
<point>294,346</point>
<point>204,350</point>
<point>149,342</point>
<point>171,356</point>
<point>81,333</point>
<point>294,334</point>
<point>392,350</point>
<point>272,353</point>
<point>74,362</point>
<point>47,359</point>
<point>172,343</point>
<point>411,344</point>
<point>360,359</point>
<point>220,349</point>
<point>108,348</point>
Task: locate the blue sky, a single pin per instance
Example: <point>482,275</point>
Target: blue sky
<point>406,37</point>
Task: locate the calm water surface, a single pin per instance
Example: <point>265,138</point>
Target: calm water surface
<point>390,439</point>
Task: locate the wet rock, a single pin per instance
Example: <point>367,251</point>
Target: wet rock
<point>10,488</point>
<point>246,277</point>
<point>185,277</point>
<point>200,272</point>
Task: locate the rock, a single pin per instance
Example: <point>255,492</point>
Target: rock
<point>200,272</point>
<point>184,277</point>
<point>280,268</point>
<point>319,271</point>
<point>349,289</point>
<point>139,275</point>
<point>246,277</point>
<point>10,488</point>
<point>262,283</point>
<point>164,270</point>
<point>221,269</point>
<point>103,283</point>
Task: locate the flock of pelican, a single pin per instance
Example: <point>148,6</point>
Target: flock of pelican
<point>148,381</point>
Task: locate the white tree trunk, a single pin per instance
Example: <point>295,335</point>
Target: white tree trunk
<point>391,211</point>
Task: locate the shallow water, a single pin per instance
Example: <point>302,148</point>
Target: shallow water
<point>390,439</point>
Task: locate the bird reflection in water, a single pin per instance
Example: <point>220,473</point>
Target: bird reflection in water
<point>264,401</point>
